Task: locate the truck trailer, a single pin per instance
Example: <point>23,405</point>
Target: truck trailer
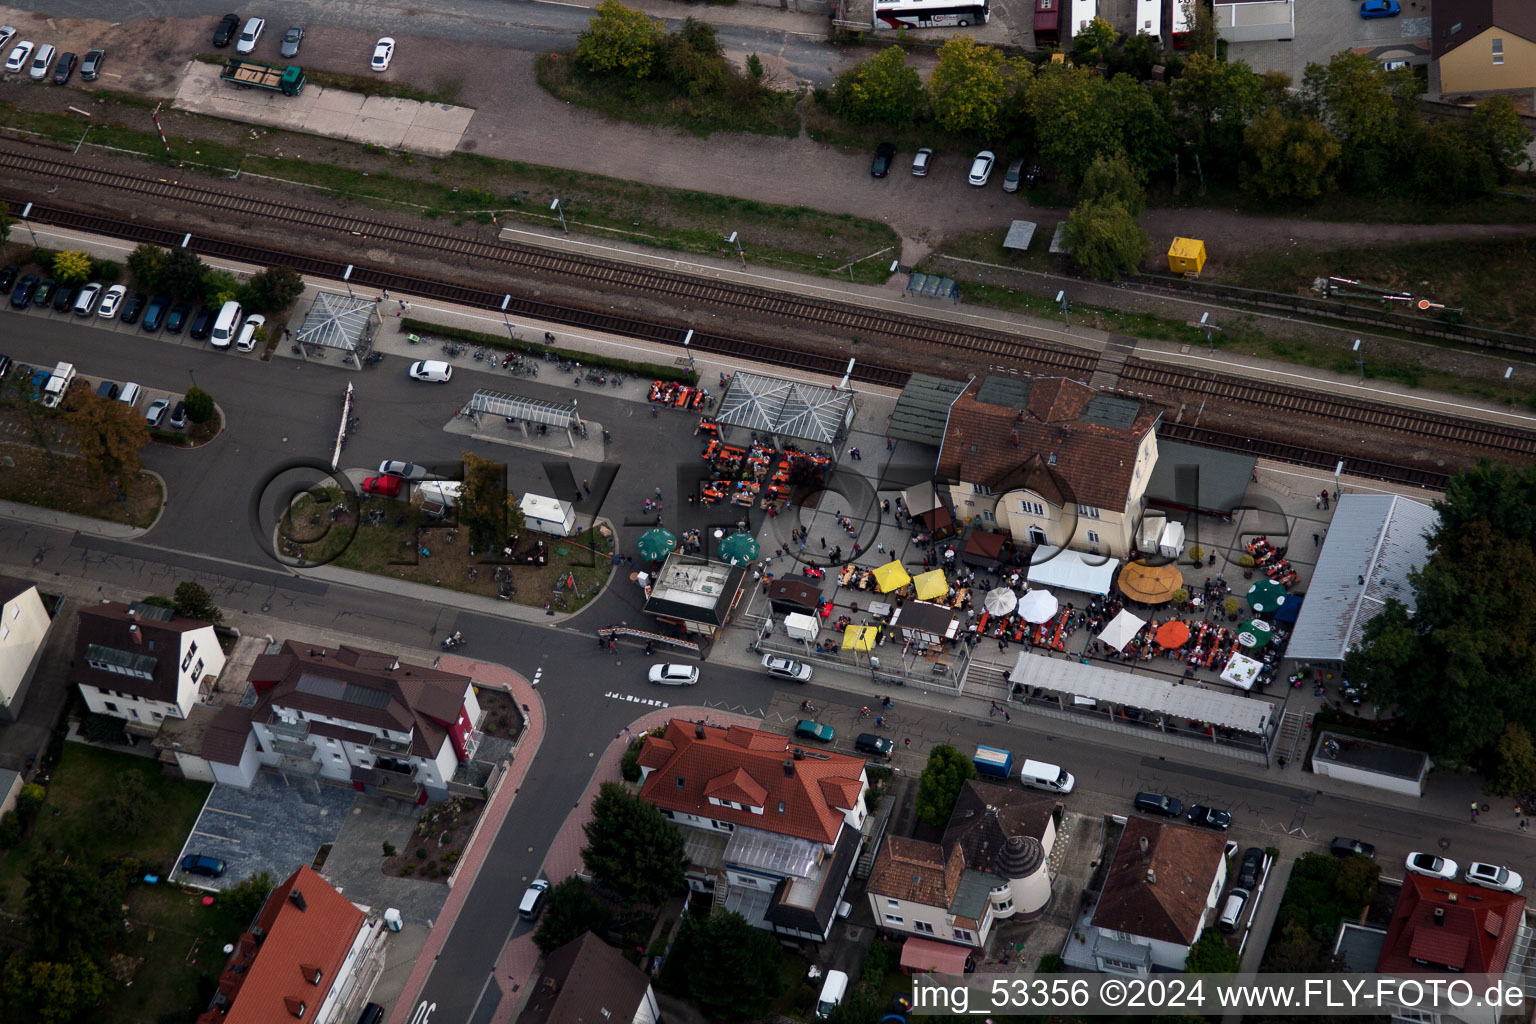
<point>253,74</point>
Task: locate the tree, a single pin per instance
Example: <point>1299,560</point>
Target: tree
<point>1370,112</point>
<point>72,266</point>
<point>194,602</point>
<point>1140,54</point>
<point>72,910</point>
<point>183,274</point>
<point>1496,129</point>
<point>570,912</point>
<point>1355,886</point>
<point>107,434</point>
<point>6,222</point>
<point>483,502</point>
<point>620,41</point>
<point>1291,156</point>
<point>1094,43</point>
<point>967,87</point>
<point>1072,118</point>
<point>1514,767</point>
<point>1213,100</point>
<point>692,60</point>
<point>125,804</point>
<point>1110,177</point>
<point>947,772</point>
<point>1106,240</point>
<point>273,289</point>
<point>1212,955</point>
<point>199,405</point>
<point>1448,165</point>
<point>631,849</point>
<point>52,992</point>
<point>733,967</point>
<point>147,264</point>
<point>883,89</point>
<point>219,287</point>
<point>245,898</point>
<point>1203,34</point>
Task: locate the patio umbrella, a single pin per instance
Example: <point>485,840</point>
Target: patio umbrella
<point>1172,634</point>
<point>1149,584</point>
<point>739,549</point>
<point>1122,629</point>
<point>859,638</point>
<point>891,576</point>
<point>1290,610</point>
<point>1000,601</point>
<point>1241,671</point>
<point>930,585</point>
<point>1038,605</point>
<point>1254,634</point>
<point>655,544</point>
<point>1265,596</point>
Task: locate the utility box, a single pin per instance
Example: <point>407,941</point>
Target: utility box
<point>1186,256</point>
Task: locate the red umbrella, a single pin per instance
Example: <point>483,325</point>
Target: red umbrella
<point>1172,634</point>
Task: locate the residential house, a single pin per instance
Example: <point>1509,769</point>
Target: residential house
<point>143,663</point>
<point>310,956</point>
<point>212,744</point>
<point>24,626</point>
<point>991,865</point>
<point>773,830</point>
<point>1157,896</point>
<point>350,715</point>
<point>587,981</point>
<point>1482,46</point>
<point>1052,461</point>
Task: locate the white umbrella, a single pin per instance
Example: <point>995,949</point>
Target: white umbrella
<point>1000,601</point>
<point>1241,671</point>
<point>1122,629</point>
<point>1038,605</point>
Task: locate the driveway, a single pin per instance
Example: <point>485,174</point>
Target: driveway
<point>275,826</point>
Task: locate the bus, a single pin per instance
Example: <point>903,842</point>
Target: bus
<point>931,13</point>
<point>1183,22</point>
<point>1149,18</point>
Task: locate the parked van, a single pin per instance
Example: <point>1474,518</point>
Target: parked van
<point>1044,775</point>
<point>832,991</point>
<point>130,394</point>
<point>225,326</point>
<point>1232,910</point>
<point>533,899</point>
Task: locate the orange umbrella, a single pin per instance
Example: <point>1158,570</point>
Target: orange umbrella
<point>1172,634</point>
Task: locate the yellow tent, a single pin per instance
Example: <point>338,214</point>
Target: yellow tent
<point>930,585</point>
<point>859,638</point>
<point>891,576</point>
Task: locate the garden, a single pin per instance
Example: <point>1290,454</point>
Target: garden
<point>434,849</point>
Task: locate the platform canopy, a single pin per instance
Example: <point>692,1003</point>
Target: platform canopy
<point>785,409</point>
<point>1056,567</point>
<point>338,321</point>
<point>520,407</point>
<point>1122,688</point>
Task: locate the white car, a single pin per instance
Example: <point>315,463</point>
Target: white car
<point>404,470</point>
<point>921,161</point>
<point>981,167</point>
<point>434,370</point>
<point>248,35</point>
<point>6,32</point>
<point>247,339</point>
<point>1491,876</point>
<point>674,675</point>
<point>42,61</point>
<point>1429,864</point>
<point>786,668</point>
<point>110,301</point>
<point>19,56</point>
<point>383,53</point>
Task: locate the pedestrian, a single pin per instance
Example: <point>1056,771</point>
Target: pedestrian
<point>1522,824</point>
<point>880,546</point>
<point>823,543</point>
<point>1317,502</point>
<point>658,494</point>
<point>1317,541</point>
<point>890,444</point>
<point>402,303</point>
<point>1007,717</point>
<point>586,485</point>
<point>1474,810</point>
<point>385,294</point>
<point>907,742</point>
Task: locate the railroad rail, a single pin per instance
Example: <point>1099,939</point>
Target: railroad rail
<point>1299,455</point>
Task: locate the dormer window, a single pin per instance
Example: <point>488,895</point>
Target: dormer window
<point>681,782</point>
<point>781,806</point>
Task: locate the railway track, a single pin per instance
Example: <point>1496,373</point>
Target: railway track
<point>1298,455</point>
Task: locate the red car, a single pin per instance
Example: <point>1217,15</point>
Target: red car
<point>389,486</point>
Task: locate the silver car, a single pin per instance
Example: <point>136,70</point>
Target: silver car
<point>921,161</point>
<point>1014,176</point>
<point>291,40</point>
<point>404,470</point>
<point>786,668</point>
<point>248,35</point>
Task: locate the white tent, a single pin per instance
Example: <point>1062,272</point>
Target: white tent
<point>1241,671</point>
<point>1122,629</point>
<point>1038,605</point>
<point>1000,601</point>
<point>1073,570</point>
<point>1171,543</point>
<point>1119,687</point>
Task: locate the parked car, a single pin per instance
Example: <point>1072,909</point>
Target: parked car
<point>1156,803</point>
<point>42,60</point>
<point>1014,175</point>
<point>1380,9</point>
<point>131,394</point>
<point>178,420</point>
<point>981,167</point>
<point>1394,65</point>
<point>6,34</point>
<point>154,313</point>
<point>65,68</point>
<point>786,668</point>
<point>200,864</point>
<point>111,301</point>
<point>434,370</point>
<point>250,34</point>
<point>1210,817</point>
<point>1250,868</point>
<point>869,743</point>
<point>20,54</point>
<point>383,53</point>
<point>921,161</point>
<point>5,366</point>
<point>156,412</point>
<point>44,292</point>
<point>532,903</point>
<point>291,40</point>
<point>247,339</point>
<point>884,154</point>
<point>407,470</point>
<point>202,324</point>
<point>806,729</point>
<point>225,33</point>
<point>176,319</point>
<point>22,293</point>
<point>85,299</point>
<point>1492,876</point>
<point>132,307</point>
<point>674,675</point>
<point>64,297</point>
<point>107,389</point>
<point>8,275</point>
<point>1429,864</point>
<point>1344,847</point>
<point>90,65</point>
<point>388,486</point>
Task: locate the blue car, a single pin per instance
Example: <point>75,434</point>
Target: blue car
<point>23,293</point>
<point>1380,9</point>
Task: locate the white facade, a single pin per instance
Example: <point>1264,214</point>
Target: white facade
<point>23,628</point>
<point>1163,953</point>
<point>358,971</point>
<point>199,656</point>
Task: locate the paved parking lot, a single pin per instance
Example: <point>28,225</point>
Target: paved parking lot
<point>1325,27</point>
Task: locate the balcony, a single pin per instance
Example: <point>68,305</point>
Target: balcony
<point>296,731</point>
<point>293,748</point>
<point>383,746</point>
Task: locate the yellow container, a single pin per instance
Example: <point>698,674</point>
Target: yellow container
<point>1186,256</point>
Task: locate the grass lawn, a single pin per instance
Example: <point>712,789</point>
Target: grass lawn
<point>29,477</point>
<point>175,952</point>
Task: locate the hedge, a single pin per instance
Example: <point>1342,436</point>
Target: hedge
<point>649,371</point>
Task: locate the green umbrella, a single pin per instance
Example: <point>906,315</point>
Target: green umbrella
<point>739,548</point>
<point>1265,596</point>
<point>656,544</point>
<point>1254,634</point>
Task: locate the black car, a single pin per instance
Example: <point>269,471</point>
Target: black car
<point>291,40</point>
<point>154,313</point>
<point>23,291</point>
<point>107,389</point>
<point>884,154</point>
<point>225,33</point>
<point>1156,803</point>
<point>202,324</point>
<point>1342,846</point>
<point>64,297</point>
<point>44,291</point>
<point>1248,871</point>
<point>1210,817</point>
<point>8,276</point>
<point>133,305</point>
<point>176,319</point>
<point>90,65</point>
<point>64,68</point>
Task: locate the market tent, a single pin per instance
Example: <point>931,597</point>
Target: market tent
<point>1001,601</point>
<point>859,638</point>
<point>891,576</point>
<point>983,550</point>
<point>1149,584</point>
<point>920,498</point>
<point>1038,605</point>
<point>1150,693</point>
<point>1241,671</point>
<point>656,544</point>
<point>1173,634</point>
<point>930,585</point>
<point>1290,611</point>
<point>1255,633</point>
<point>1122,629</point>
<point>1059,567</point>
<point>1266,596</point>
<point>739,549</point>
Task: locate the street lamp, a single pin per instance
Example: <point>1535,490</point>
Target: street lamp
<point>24,211</point>
<point>346,279</point>
<point>1210,331</point>
<point>1359,358</point>
<point>559,213</point>
<point>1509,373</point>
<point>506,300</point>
<point>740,252</point>
<point>192,375</point>
<point>1065,305</point>
<point>686,339</point>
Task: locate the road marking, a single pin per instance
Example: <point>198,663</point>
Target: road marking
<point>537,675</point>
<point>632,699</point>
<point>232,814</point>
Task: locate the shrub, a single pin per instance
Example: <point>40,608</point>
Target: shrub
<point>629,764</point>
<point>72,266</point>
<point>389,848</point>
<point>105,270</point>
<point>29,800</point>
<point>409,869</point>
<point>11,830</point>
<point>199,405</point>
<point>421,853</point>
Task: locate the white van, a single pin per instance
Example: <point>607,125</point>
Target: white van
<point>533,900</point>
<point>832,991</point>
<point>1232,910</point>
<point>225,326</point>
<point>1044,775</point>
<point>130,394</point>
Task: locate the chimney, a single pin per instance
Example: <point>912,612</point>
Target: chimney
<point>698,730</point>
<point>136,634</point>
<point>1440,916</point>
<point>132,612</point>
<point>258,933</point>
<point>297,899</point>
<point>789,768</point>
<point>1144,845</point>
<point>1151,877</point>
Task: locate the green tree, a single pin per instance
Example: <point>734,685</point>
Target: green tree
<point>483,501</point>
<point>1072,119</point>
<point>631,849</point>
<point>882,89</point>
<point>1291,156</point>
<point>274,289</point>
<point>1496,130</point>
<point>183,274</point>
<point>620,41</point>
<point>107,434</point>
<point>1369,111</point>
<point>72,910</point>
<point>245,898</point>
<point>1514,765</point>
<point>1448,165</point>
<point>72,266</point>
<point>6,221</point>
<point>219,287</point>
<point>1355,886</point>
<point>1212,955</point>
<point>1140,54</point>
<point>1094,43</point>
<point>967,87</point>
<point>194,602</point>
<point>146,263</point>
<point>200,407</point>
<point>570,912</point>
<point>947,772</point>
<point>692,60</point>
<point>1107,242</point>
<point>733,968</point>
<point>105,270</point>
<point>1213,100</point>
<point>52,992</point>
<point>1203,34</point>
<point>1111,178</point>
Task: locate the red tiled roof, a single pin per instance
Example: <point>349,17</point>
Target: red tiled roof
<point>705,756</point>
<point>264,980</point>
<point>916,871</point>
<point>1168,906</point>
<point>736,786</point>
<point>1474,932</point>
<point>1093,462</point>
